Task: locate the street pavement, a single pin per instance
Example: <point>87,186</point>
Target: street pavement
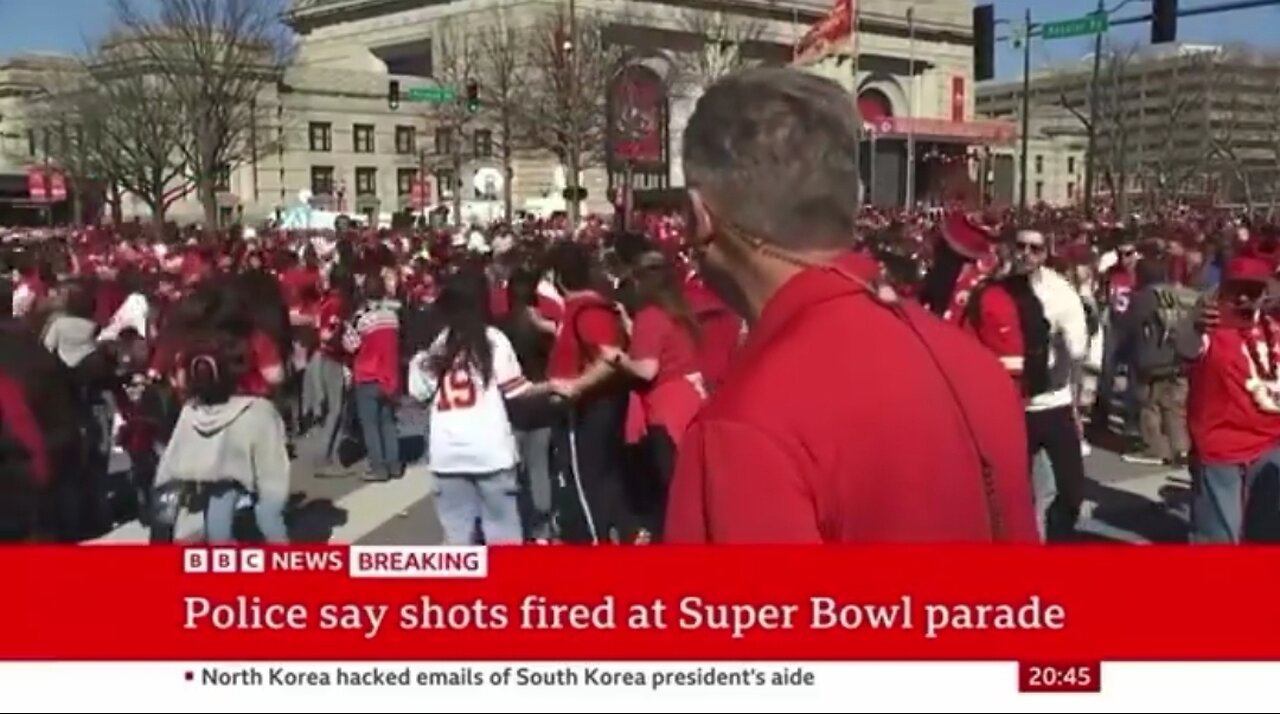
<point>1126,503</point>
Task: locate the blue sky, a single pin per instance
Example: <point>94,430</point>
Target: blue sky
<point>1256,26</point>
<point>63,25</point>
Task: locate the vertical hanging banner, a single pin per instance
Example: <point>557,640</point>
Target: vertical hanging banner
<point>36,186</point>
<point>57,187</point>
<point>636,126</point>
<point>957,98</point>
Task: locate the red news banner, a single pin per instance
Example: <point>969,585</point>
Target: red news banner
<point>1057,606</point>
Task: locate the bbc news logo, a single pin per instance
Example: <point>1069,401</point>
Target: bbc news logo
<point>258,560</point>
<point>224,560</point>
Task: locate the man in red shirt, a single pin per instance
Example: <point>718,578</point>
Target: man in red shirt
<point>849,415</point>
<point>1233,405</point>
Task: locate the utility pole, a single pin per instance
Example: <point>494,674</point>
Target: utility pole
<point>1090,161</point>
<point>910,193</point>
<point>1026,119</point>
<point>857,145</point>
<point>571,65</point>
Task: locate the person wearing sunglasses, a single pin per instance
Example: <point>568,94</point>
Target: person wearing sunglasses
<point>1050,408</point>
<point>1233,404</point>
<point>849,415</point>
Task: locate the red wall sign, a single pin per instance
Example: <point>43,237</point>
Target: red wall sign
<point>57,187</point>
<point>957,98</point>
<point>36,185</point>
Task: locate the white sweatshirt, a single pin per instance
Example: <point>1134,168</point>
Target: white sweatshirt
<point>1068,336</point>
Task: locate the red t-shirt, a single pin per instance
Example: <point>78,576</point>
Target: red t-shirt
<point>675,394</point>
<point>836,425</point>
<point>294,284</point>
<point>264,354</point>
<point>720,332</point>
<point>1120,284</point>
<point>330,324</point>
<point>1224,420</point>
<point>589,324</point>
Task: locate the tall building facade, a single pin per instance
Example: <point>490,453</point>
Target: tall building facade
<point>1190,123</point>
<point>332,134</point>
<point>923,142</point>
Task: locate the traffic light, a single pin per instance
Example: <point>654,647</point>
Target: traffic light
<point>984,42</point>
<point>473,96</point>
<point>1164,21</point>
<point>393,94</point>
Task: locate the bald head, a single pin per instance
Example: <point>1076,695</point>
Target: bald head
<point>773,151</point>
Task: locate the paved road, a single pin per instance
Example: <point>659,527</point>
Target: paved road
<point>1128,504</point>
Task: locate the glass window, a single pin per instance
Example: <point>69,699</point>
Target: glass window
<point>321,136</point>
<point>406,139</point>
<point>1039,164</point>
<point>322,180</point>
<point>483,140</point>
<point>444,141</point>
<point>446,182</point>
<point>366,181</point>
<point>362,138</point>
<point>404,181</point>
<point>1039,190</point>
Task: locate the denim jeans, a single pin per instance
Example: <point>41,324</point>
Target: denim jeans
<point>1220,506</point>
<point>220,515</point>
<point>535,456</point>
<point>378,423</point>
<point>490,497</point>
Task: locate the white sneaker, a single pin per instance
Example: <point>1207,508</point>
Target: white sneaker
<point>1085,448</point>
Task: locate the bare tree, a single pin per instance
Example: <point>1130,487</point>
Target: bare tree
<point>456,63</point>
<point>104,121</point>
<point>1168,166</point>
<point>503,90</point>
<point>216,57</point>
<point>1226,131</point>
<point>721,39</point>
<point>1112,133</point>
<point>570,69</point>
<point>1272,124</point>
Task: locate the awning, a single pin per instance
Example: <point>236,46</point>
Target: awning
<point>943,130</point>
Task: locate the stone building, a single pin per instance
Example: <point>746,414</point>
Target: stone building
<point>332,132</point>
<point>1176,122</point>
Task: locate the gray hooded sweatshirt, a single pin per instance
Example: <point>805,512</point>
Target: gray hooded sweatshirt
<point>242,440</point>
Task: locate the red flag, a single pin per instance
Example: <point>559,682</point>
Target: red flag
<point>828,31</point>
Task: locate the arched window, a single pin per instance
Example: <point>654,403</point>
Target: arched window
<point>873,105</point>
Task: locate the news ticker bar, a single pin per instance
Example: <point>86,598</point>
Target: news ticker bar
<point>575,686</point>
<point>358,561</point>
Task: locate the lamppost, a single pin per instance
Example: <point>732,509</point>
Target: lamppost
<point>1090,162</point>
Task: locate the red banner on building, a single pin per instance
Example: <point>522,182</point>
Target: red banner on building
<point>57,186</point>
<point>37,187</point>
<point>638,116</point>
<point>658,603</point>
<point>958,99</point>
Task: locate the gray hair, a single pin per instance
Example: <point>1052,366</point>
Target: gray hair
<point>774,149</point>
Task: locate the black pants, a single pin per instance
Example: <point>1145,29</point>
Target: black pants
<point>591,498</point>
<point>1054,430</point>
<point>653,464</point>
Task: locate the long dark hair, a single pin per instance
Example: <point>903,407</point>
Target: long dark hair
<point>214,363</point>
<point>464,310</point>
<point>657,286</point>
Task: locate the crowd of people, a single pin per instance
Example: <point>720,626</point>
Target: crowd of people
<point>766,363</point>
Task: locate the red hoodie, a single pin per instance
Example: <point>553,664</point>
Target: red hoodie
<point>375,341</point>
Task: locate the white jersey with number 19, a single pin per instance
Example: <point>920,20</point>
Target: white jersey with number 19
<point>470,430</point>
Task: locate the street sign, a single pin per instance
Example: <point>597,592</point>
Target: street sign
<point>432,95</point>
<point>1087,25</point>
